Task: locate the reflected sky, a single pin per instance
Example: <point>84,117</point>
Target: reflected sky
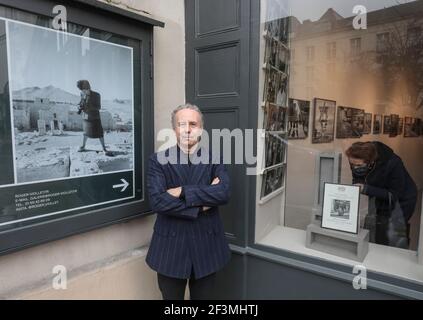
<point>314,9</point>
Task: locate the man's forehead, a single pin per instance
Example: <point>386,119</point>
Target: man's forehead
<point>187,115</point>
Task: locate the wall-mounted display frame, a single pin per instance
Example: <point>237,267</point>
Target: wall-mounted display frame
<point>387,120</point>
<point>52,185</point>
<point>298,119</point>
<point>377,124</point>
<point>394,125</point>
<point>368,117</point>
<point>411,127</point>
<point>341,205</point>
<point>349,122</point>
<point>273,181</point>
<point>275,118</point>
<point>323,120</point>
<point>275,148</point>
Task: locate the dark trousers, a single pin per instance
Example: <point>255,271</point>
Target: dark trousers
<point>174,289</point>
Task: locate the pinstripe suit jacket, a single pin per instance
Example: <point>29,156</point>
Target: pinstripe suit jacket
<point>184,238</point>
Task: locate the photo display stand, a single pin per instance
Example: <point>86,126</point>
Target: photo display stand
<point>338,232</point>
<point>341,244</point>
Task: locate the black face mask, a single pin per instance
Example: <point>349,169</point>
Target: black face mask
<point>361,171</point>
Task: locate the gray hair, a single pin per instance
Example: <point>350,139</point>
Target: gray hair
<point>186,106</point>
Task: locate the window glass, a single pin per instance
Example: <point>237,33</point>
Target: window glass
<point>354,110</point>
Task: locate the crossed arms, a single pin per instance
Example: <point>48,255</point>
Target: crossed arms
<point>167,201</point>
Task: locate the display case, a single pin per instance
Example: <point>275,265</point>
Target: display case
<point>76,114</point>
<point>340,90</point>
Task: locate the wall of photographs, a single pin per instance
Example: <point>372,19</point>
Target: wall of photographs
<point>349,122</point>
<point>279,120</point>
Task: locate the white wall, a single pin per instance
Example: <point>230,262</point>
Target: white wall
<point>28,273</point>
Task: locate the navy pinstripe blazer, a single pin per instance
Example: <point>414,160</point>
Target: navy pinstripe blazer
<point>184,238</point>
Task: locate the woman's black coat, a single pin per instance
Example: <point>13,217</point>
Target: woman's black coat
<point>389,175</point>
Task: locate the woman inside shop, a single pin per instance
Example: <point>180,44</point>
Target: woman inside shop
<point>381,175</point>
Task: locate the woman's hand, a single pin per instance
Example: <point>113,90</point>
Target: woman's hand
<point>359,185</point>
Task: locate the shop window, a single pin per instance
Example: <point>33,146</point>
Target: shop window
<point>371,100</point>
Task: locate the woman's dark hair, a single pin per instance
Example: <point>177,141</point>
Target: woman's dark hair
<point>362,150</point>
<point>83,85</point>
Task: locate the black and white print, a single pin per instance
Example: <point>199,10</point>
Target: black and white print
<point>367,123</point>
<point>273,180</point>
<point>298,119</point>
<point>275,118</point>
<point>377,124</point>
<point>387,120</point>
<point>275,149</point>
<point>323,121</point>
<point>340,209</point>
<point>72,105</point>
<point>349,123</point>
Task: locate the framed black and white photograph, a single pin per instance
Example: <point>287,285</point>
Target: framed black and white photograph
<point>377,124</point>
<point>387,120</point>
<point>368,117</point>
<point>275,118</point>
<point>76,121</point>
<point>298,119</point>
<point>357,122</point>
<point>323,120</point>
<point>349,122</point>
<point>273,180</point>
<point>408,127</point>
<point>80,125</point>
<point>275,149</point>
<point>275,87</point>
<point>276,55</point>
<point>341,207</point>
<point>394,125</point>
<point>400,126</point>
<point>277,23</point>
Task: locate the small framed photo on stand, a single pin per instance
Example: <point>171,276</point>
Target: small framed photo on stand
<point>341,207</point>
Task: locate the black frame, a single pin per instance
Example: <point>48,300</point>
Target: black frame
<point>313,139</point>
<point>358,208</point>
<point>100,16</point>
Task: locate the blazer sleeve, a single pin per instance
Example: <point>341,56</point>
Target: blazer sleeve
<point>160,200</point>
<point>210,195</point>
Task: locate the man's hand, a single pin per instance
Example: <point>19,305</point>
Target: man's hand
<point>176,192</point>
<point>215,181</point>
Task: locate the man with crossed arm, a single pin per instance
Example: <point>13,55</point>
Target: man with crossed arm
<point>188,243</point>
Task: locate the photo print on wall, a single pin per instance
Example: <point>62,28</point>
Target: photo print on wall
<point>275,118</point>
<point>349,123</point>
<point>377,124</point>
<point>387,120</point>
<point>323,120</point>
<point>367,123</point>
<point>273,180</point>
<point>298,119</point>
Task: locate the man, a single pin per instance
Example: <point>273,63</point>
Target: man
<point>90,106</point>
<point>188,243</point>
